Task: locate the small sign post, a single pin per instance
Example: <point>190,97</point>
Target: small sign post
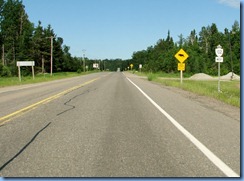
<point>140,67</point>
<point>25,63</point>
<point>219,52</point>
<point>181,56</point>
<point>96,66</point>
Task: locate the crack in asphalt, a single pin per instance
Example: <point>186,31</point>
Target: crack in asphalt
<point>15,156</point>
<point>72,106</point>
<point>34,137</point>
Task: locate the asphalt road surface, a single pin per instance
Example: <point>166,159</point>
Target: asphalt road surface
<point>113,125</point>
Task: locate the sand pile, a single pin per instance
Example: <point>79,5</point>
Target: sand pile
<point>228,76</point>
<point>201,76</point>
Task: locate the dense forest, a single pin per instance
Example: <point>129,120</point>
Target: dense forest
<point>200,48</point>
<point>21,40</point>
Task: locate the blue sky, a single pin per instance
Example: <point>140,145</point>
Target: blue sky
<point>116,28</point>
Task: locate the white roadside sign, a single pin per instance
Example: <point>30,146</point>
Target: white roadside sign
<point>25,63</point>
<point>219,51</point>
<point>95,65</point>
<point>28,64</point>
<point>219,59</point>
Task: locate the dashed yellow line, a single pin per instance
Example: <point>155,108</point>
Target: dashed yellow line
<point>6,118</point>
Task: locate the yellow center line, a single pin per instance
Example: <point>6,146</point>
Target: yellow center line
<point>6,118</point>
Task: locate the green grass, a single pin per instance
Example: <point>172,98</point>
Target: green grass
<point>230,90</point>
<point>10,81</point>
<point>151,77</point>
<point>162,74</point>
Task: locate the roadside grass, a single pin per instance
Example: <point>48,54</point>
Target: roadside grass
<point>152,76</point>
<point>10,81</point>
<point>230,90</point>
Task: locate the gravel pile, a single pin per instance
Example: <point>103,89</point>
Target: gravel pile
<point>201,76</point>
<point>228,76</point>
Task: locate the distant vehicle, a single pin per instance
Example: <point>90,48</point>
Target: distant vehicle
<point>118,69</point>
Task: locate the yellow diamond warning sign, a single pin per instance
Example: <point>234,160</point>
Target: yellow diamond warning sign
<point>181,66</point>
<point>181,56</point>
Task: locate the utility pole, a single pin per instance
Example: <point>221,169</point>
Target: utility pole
<point>3,56</point>
<point>84,63</point>
<point>51,61</point>
<point>51,55</point>
<point>232,74</point>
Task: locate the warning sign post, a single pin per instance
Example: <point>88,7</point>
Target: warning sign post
<point>181,56</point>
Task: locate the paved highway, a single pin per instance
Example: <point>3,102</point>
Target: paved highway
<point>114,125</point>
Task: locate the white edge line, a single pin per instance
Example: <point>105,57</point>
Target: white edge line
<point>209,154</point>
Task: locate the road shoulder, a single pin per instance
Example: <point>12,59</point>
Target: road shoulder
<point>208,102</point>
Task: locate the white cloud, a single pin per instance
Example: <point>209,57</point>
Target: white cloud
<point>231,3</point>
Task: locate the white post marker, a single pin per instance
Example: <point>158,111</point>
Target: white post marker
<point>219,52</point>
<point>19,73</point>
<point>140,67</point>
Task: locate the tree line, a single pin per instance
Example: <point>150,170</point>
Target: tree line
<point>21,40</point>
<point>200,48</point>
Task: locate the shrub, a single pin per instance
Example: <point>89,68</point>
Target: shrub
<point>151,76</point>
<point>79,71</point>
<point>5,71</point>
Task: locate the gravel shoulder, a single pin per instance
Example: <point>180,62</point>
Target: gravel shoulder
<point>208,102</point>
